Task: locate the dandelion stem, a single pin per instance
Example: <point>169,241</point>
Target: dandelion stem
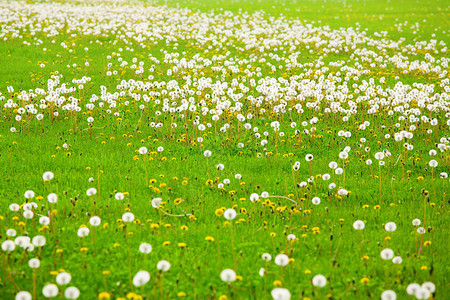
<point>232,248</point>
<point>34,284</point>
<point>379,166</point>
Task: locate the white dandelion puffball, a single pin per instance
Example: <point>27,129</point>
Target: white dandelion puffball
<point>163,265</point>
<point>141,278</point>
<point>48,176</point>
<point>22,241</point>
<point>319,280</point>
<point>379,155</point>
<point>63,278</point>
<point>412,288</point>
<point>50,290</point>
<point>27,206</point>
<point>145,248</point>
<point>291,237</point>
<point>156,202</point>
<point>83,231</point>
<point>228,275</point>
<point>29,194</point>
<point>416,222</point>
<point>119,196</point>
<point>387,254</point>
<point>230,214</point>
<point>342,192</point>
<point>390,226</point>
<point>433,163</point>
<point>11,232</point>
<point>343,155</point>
<point>254,197</point>
<point>28,214</point>
<point>95,221</point>
<point>429,286</point>
<point>266,257</point>
<point>34,263</point>
<point>91,192</point>
<point>8,246</point>
<point>264,195</point>
<point>359,225</point>
<point>39,240</point>
<point>207,153</point>
<point>388,295</point>
<point>315,200</point>
<point>280,294</point>
<point>261,272</point>
<point>143,150</point>
<point>52,198</point>
<point>397,260</point>
<point>128,217</point>
<point>160,149</point>
<point>14,207</point>
<point>72,293</point>
<point>282,260</point>
<point>23,295</point>
<point>422,293</point>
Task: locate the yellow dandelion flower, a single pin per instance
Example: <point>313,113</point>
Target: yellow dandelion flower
<point>104,296</point>
<point>277,283</point>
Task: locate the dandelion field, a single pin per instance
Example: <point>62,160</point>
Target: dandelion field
<point>224,150</point>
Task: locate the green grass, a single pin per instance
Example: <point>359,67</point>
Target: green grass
<point>107,259</point>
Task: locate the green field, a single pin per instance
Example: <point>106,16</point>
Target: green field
<point>318,116</point>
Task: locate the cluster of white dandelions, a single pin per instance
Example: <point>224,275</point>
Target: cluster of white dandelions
<point>252,67</point>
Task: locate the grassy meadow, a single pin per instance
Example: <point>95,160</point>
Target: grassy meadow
<point>224,149</point>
